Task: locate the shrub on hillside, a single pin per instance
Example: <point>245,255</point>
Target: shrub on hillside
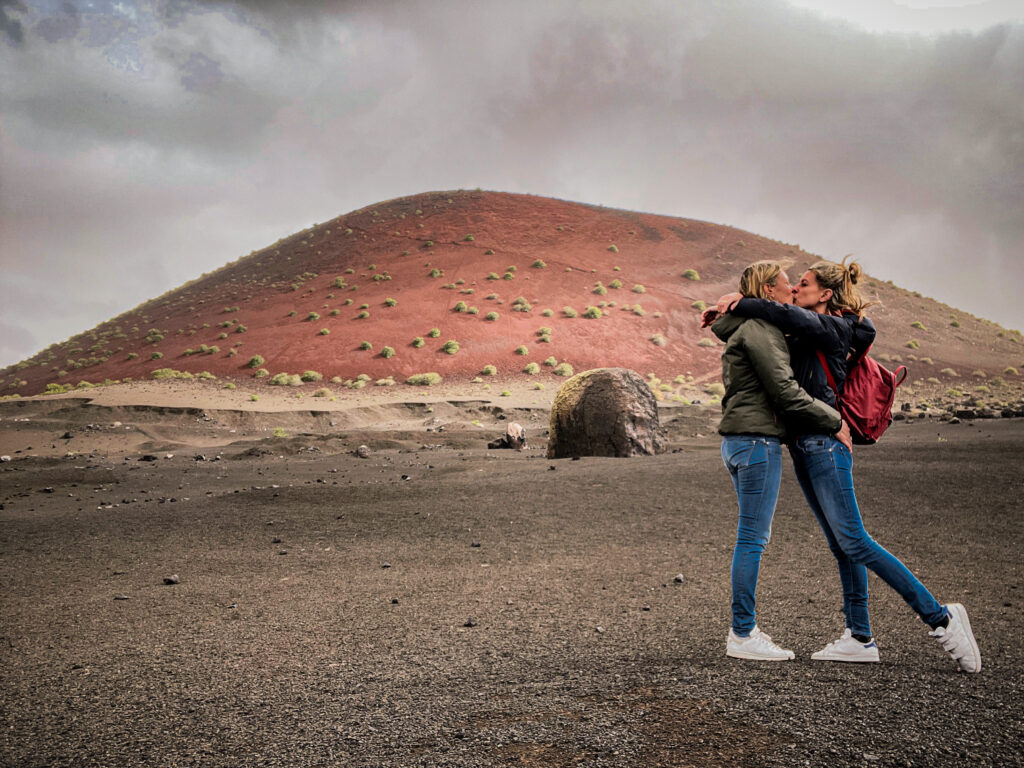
<point>563,369</point>
<point>691,274</point>
<point>311,376</point>
<point>424,379</point>
<point>387,352</point>
<point>451,346</point>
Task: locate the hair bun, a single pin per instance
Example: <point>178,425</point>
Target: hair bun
<point>854,271</point>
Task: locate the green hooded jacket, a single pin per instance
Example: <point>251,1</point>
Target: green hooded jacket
<point>761,395</point>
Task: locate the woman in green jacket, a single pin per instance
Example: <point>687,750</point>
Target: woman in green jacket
<point>761,398</point>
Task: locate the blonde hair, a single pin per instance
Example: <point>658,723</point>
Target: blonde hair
<point>757,277</point>
<point>842,280</point>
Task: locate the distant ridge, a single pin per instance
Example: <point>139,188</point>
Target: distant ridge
<point>389,273</point>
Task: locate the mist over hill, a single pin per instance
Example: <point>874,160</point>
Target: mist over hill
<point>456,282</point>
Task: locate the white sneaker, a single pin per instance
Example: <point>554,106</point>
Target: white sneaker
<point>848,648</point>
<point>757,646</point>
<point>958,639</point>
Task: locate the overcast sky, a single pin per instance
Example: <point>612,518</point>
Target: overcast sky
<point>144,143</point>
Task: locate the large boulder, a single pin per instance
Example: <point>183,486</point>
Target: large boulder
<point>605,412</point>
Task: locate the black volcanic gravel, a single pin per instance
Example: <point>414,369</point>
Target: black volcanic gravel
<point>325,658</point>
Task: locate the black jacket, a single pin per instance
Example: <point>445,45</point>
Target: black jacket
<point>838,336</point>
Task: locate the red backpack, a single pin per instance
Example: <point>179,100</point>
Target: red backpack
<point>868,394</point>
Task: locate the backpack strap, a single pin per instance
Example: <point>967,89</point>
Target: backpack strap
<point>828,373</point>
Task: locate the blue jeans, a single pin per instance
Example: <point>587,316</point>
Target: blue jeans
<point>755,464</point>
<point>824,469</point>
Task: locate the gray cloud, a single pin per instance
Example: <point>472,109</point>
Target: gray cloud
<point>159,144</point>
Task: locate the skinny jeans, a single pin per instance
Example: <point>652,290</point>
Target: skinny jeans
<point>824,469</point>
<point>755,465</point>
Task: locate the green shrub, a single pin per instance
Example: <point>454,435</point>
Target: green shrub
<point>424,379</point>
<point>292,313</point>
<point>311,376</point>
<point>538,264</point>
<point>691,274</point>
<point>506,393</point>
<point>952,392</point>
<point>364,306</point>
<point>170,373</point>
<point>522,350</point>
<point>436,272</point>
<point>715,388</point>
<point>256,361</point>
<point>638,310</point>
<point>339,282</point>
<point>913,344</point>
<point>699,305</point>
<point>322,392</point>
<point>335,312</point>
<point>362,315</point>
<point>548,313</point>
<point>918,324</point>
<point>658,340</point>
<point>348,302</point>
<point>949,372</point>
<point>310,317</point>
<point>491,316</point>
<point>551,361</point>
<point>324,332</point>
<point>365,345</point>
<point>451,346</point>
<point>491,296</point>
<point>599,289</point>
<point>279,432</point>
<point>433,333</point>
<point>532,369</point>
<point>955,323</point>
<point>390,302</point>
<point>469,238</point>
<point>508,276</point>
<point>418,342</point>
<point>385,382</point>
<point>488,370</point>
<point>569,312</point>
<point>285,380</point>
<point>563,369</point>
<point>460,306</point>
<point>592,313</point>
<point>242,329</point>
<point>387,352</point>
<point>639,289</point>
<point>705,343</point>
<point>613,249</point>
<point>230,385</point>
<point>1010,371</point>
<point>222,336</point>
<point>926,361</point>
<point>538,385</point>
<point>253,398</point>
<point>205,375</point>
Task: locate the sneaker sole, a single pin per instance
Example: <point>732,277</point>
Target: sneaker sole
<point>848,659</point>
<point>961,615</point>
<point>755,657</point>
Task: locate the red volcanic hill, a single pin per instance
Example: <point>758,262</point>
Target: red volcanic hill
<point>488,271</point>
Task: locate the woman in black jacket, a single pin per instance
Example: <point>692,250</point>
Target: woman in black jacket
<point>828,315</point>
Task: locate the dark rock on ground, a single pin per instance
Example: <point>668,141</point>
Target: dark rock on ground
<point>605,412</point>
